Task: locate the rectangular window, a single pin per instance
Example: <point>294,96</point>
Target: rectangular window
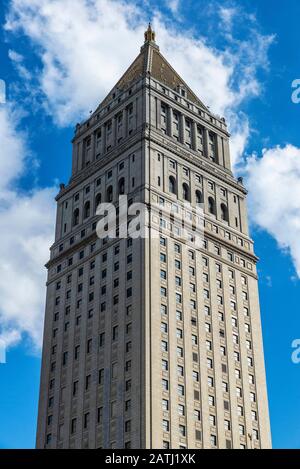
<point>165,384</point>
<point>163,274</point>
<point>165,425</point>
<point>178,298</point>
<point>86,420</point>
<point>99,414</point>
<point>163,257</point>
<point>182,430</point>
<point>164,365</point>
<point>165,405</point>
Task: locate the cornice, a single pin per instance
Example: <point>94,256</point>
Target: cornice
<point>148,132</point>
<point>179,106</point>
<point>114,107</point>
<point>102,162</point>
<point>192,157</point>
<point>71,250</point>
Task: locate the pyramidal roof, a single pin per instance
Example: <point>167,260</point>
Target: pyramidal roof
<point>151,61</point>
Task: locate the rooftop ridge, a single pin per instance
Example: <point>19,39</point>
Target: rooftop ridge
<point>151,61</point>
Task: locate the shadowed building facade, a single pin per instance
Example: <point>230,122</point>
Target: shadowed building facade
<point>155,342</point>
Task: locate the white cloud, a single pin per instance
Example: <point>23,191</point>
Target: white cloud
<point>268,281</point>
<point>27,229</point>
<point>227,15</point>
<point>274,198</point>
<point>82,58</point>
<point>13,143</point>
<point>14,56</point>
<point>2,91</point>
<point>17,60</point>
<point>240,129</point>
<point>173,5</point>
<point>8,338</point>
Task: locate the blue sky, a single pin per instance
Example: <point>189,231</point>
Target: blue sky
<point>241,58</point>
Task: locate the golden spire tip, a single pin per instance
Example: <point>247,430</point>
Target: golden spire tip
<point>149,34</point>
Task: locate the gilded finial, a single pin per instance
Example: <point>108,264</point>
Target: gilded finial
<point>149,34</point>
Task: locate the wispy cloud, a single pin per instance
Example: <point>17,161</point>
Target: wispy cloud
<point>173,5</point>
<point>17,60</point>
<point>227,15</point>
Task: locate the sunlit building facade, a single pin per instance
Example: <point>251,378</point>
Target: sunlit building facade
<point>153,342</point>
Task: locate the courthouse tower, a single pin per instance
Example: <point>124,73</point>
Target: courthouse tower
<point>156,342</point>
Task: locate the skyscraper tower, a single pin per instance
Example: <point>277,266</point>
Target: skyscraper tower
<point>153,342</point>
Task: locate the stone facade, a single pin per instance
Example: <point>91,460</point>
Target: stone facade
<point>153,343</point>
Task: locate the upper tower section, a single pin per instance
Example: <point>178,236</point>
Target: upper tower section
<point>176,111</point>
<point>151,62</point>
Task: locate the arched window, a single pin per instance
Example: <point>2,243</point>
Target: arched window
<point>87,210</point>
<point>224,212</point>
<point>199,198</point>
<point>76,217</point>
<point>97,201</point>
<point>211,205</point>
<point>185,191</point>
<point>172,185</point>
<point>121,186</point>
<point>109,194</point>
